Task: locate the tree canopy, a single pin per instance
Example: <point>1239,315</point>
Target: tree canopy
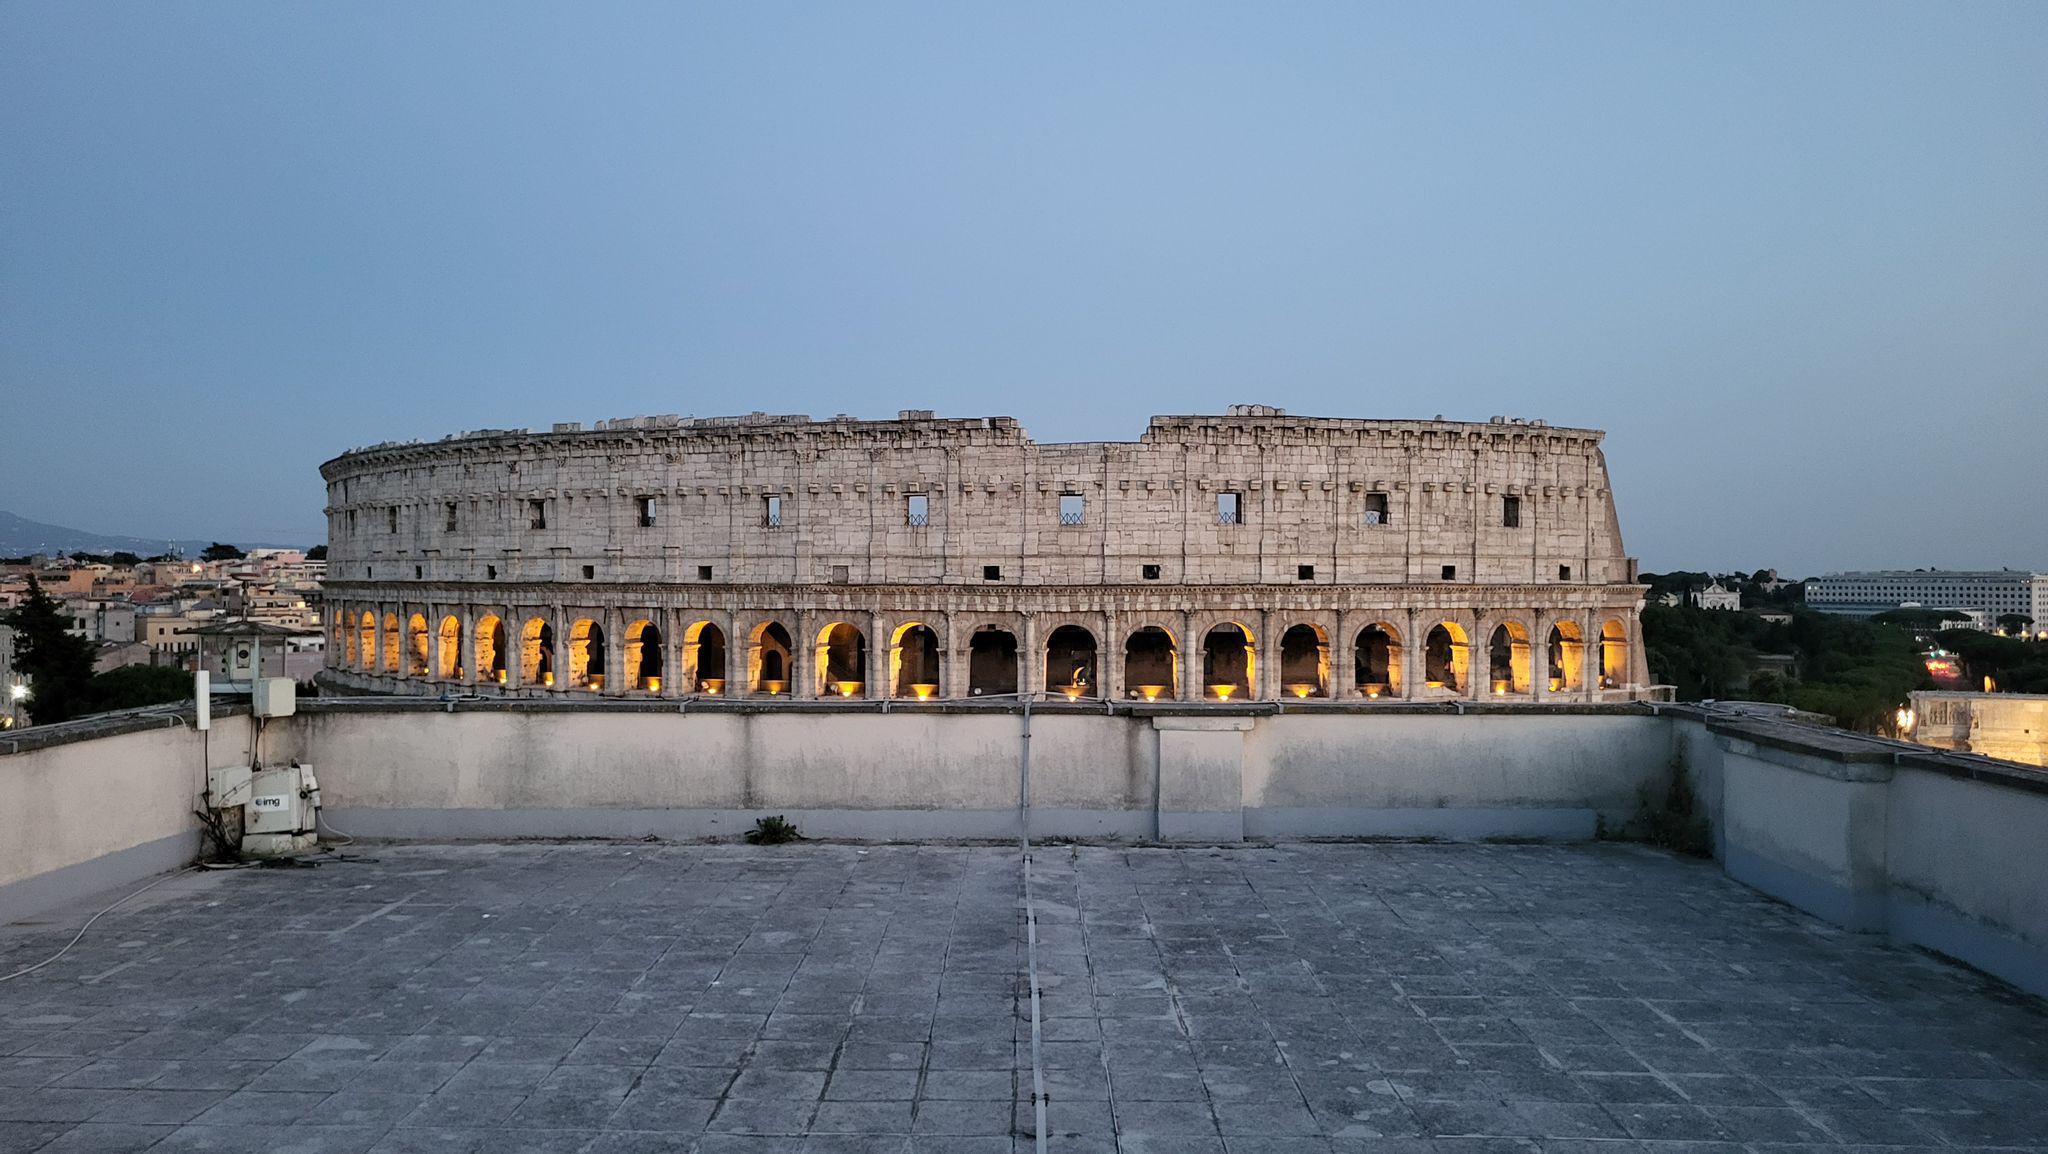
<point>221,551</point>
<point>56,663</point>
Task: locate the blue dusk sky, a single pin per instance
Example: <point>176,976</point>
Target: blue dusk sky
<point>1792,256</point>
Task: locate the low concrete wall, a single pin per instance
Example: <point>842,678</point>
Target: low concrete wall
<point>493,769</point>
<point>90,805</point>
<point>1939,850</point>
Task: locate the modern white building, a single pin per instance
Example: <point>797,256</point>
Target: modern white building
<point>1996,592</point>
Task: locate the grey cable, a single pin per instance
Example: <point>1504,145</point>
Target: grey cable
<point>96,917</point>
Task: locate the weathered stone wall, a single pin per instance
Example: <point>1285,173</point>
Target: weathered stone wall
<point>447,531</point>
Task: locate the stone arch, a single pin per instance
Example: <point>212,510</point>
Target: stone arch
<point>991,662</point>
<point>1230,663</point>
<point>418,646</point>
<point>490,649</point>
<point>1151,664</point>
<point>1070,662</point>
<point>367,650</point>
<point>448,649</point>
<point>1447,658</point>
<point>642,655</point>
<point>537,653</point>
<point>586,654</point>
<point>1613,654</point>
<point>1508,665</point>
<point>1305,661</point>
<point>768,664</point>
<point>914,661</point>
<point>1377,659</point>
<point>391,636</point>
<point>1566,657</point>
<point>842,661</point>
<point>704,658</point>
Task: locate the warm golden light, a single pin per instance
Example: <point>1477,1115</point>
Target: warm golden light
<point>1073,692</point>
<point>1556,683</point>
<point>925,690</point>
<point>1500,688</point>
<point>1223,691</point>
<point>1904,718</point>
<point>1375,690</point>
<point>501,677</point>
<point>1301,689</point>
<point>847,688</point>
<point>711,686</point>
<point>596,681</point>
<point>1151,692</point>
<point>1434,684</point>
<point>774,688</point>
<point>547,678</point>
<point>653,684</point>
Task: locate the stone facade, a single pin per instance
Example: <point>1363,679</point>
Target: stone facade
<point>1246,555</point>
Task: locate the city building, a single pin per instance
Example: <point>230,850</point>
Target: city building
<point>1996,592</point>
<point>1246,555</point>
<point>1716,597</point>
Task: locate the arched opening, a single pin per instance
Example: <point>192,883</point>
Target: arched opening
<point>842,661</point>
<point>1613,654</point>
<point>490,649</point>
<point>345,644</point>
<point>448,654</point>
<point>704,658</point>
<point>1567,653</point>
<point>367,650</point>
<point>1446,657</point>
<point>991,662</point>
<point>768,660</point>
<point>643,656</point>
<point>1151,664</point>
<point>537,653</point>
<point>1070,662</point>
<point>391,643</point>
<point>586,655</point>
<point>914,662</point>
<point>1228,662</point>
<point>1507,659</point>
<point>1304,662</point>
<point>1377,661</point>
<point>416,646</point>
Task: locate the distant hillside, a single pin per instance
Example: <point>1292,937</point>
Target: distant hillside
<point>20,536</point>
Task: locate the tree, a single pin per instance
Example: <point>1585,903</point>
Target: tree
<point>134,686</point>
<point>57,664</point>
<point>317,553</point>
<point>2014,622</point>
<point>221,552</point>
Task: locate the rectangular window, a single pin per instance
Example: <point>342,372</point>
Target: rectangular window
<point>1073,507</point>
<point>391,518</point>
<point>703,572</point>
<point>1304,572</point>
<point>418,572</point>
<point>1564,572</point>
<point>648,509</point>
<point>771,512</point>
<point>991,572</point>
<point>490,572</point>
<point>1450,572</point>
<point>1151,572</point>
<point>1376,509</point>
<point>1511,512</point>
<point>351,520</point>
<point>448,521</point>
<point>537,514</point>
<point>917,510</point>
<point>1230,508</point>
<point>590,572</point>
<point>841,574</point>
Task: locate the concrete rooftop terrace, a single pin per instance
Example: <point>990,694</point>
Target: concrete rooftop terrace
<point>612,997</point>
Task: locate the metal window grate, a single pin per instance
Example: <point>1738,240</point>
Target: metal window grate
<point>1073,518</point>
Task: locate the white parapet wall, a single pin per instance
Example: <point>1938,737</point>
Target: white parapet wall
<point>499,769</point>
<point>90,805</point>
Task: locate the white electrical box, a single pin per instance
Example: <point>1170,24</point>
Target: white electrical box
<point>275,697</point>
<point>228,786</point>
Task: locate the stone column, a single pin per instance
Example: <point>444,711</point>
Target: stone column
<point>1109,658</point>
<point>1414,664</point>
<point>958,671</point>
<point>1539,654</point>
<point>1193,661</point>
<point>558,622</point>
<point>465,646</point>
<point>514,648</point>
<point>1266,669</point>
<point>615,653</point>
<point>1343,658</point>
<point>803,655</point>
<point>1030,653</point>
<point>1478,660</point>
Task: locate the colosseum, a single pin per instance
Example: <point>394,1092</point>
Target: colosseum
<point>1245,556</point>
